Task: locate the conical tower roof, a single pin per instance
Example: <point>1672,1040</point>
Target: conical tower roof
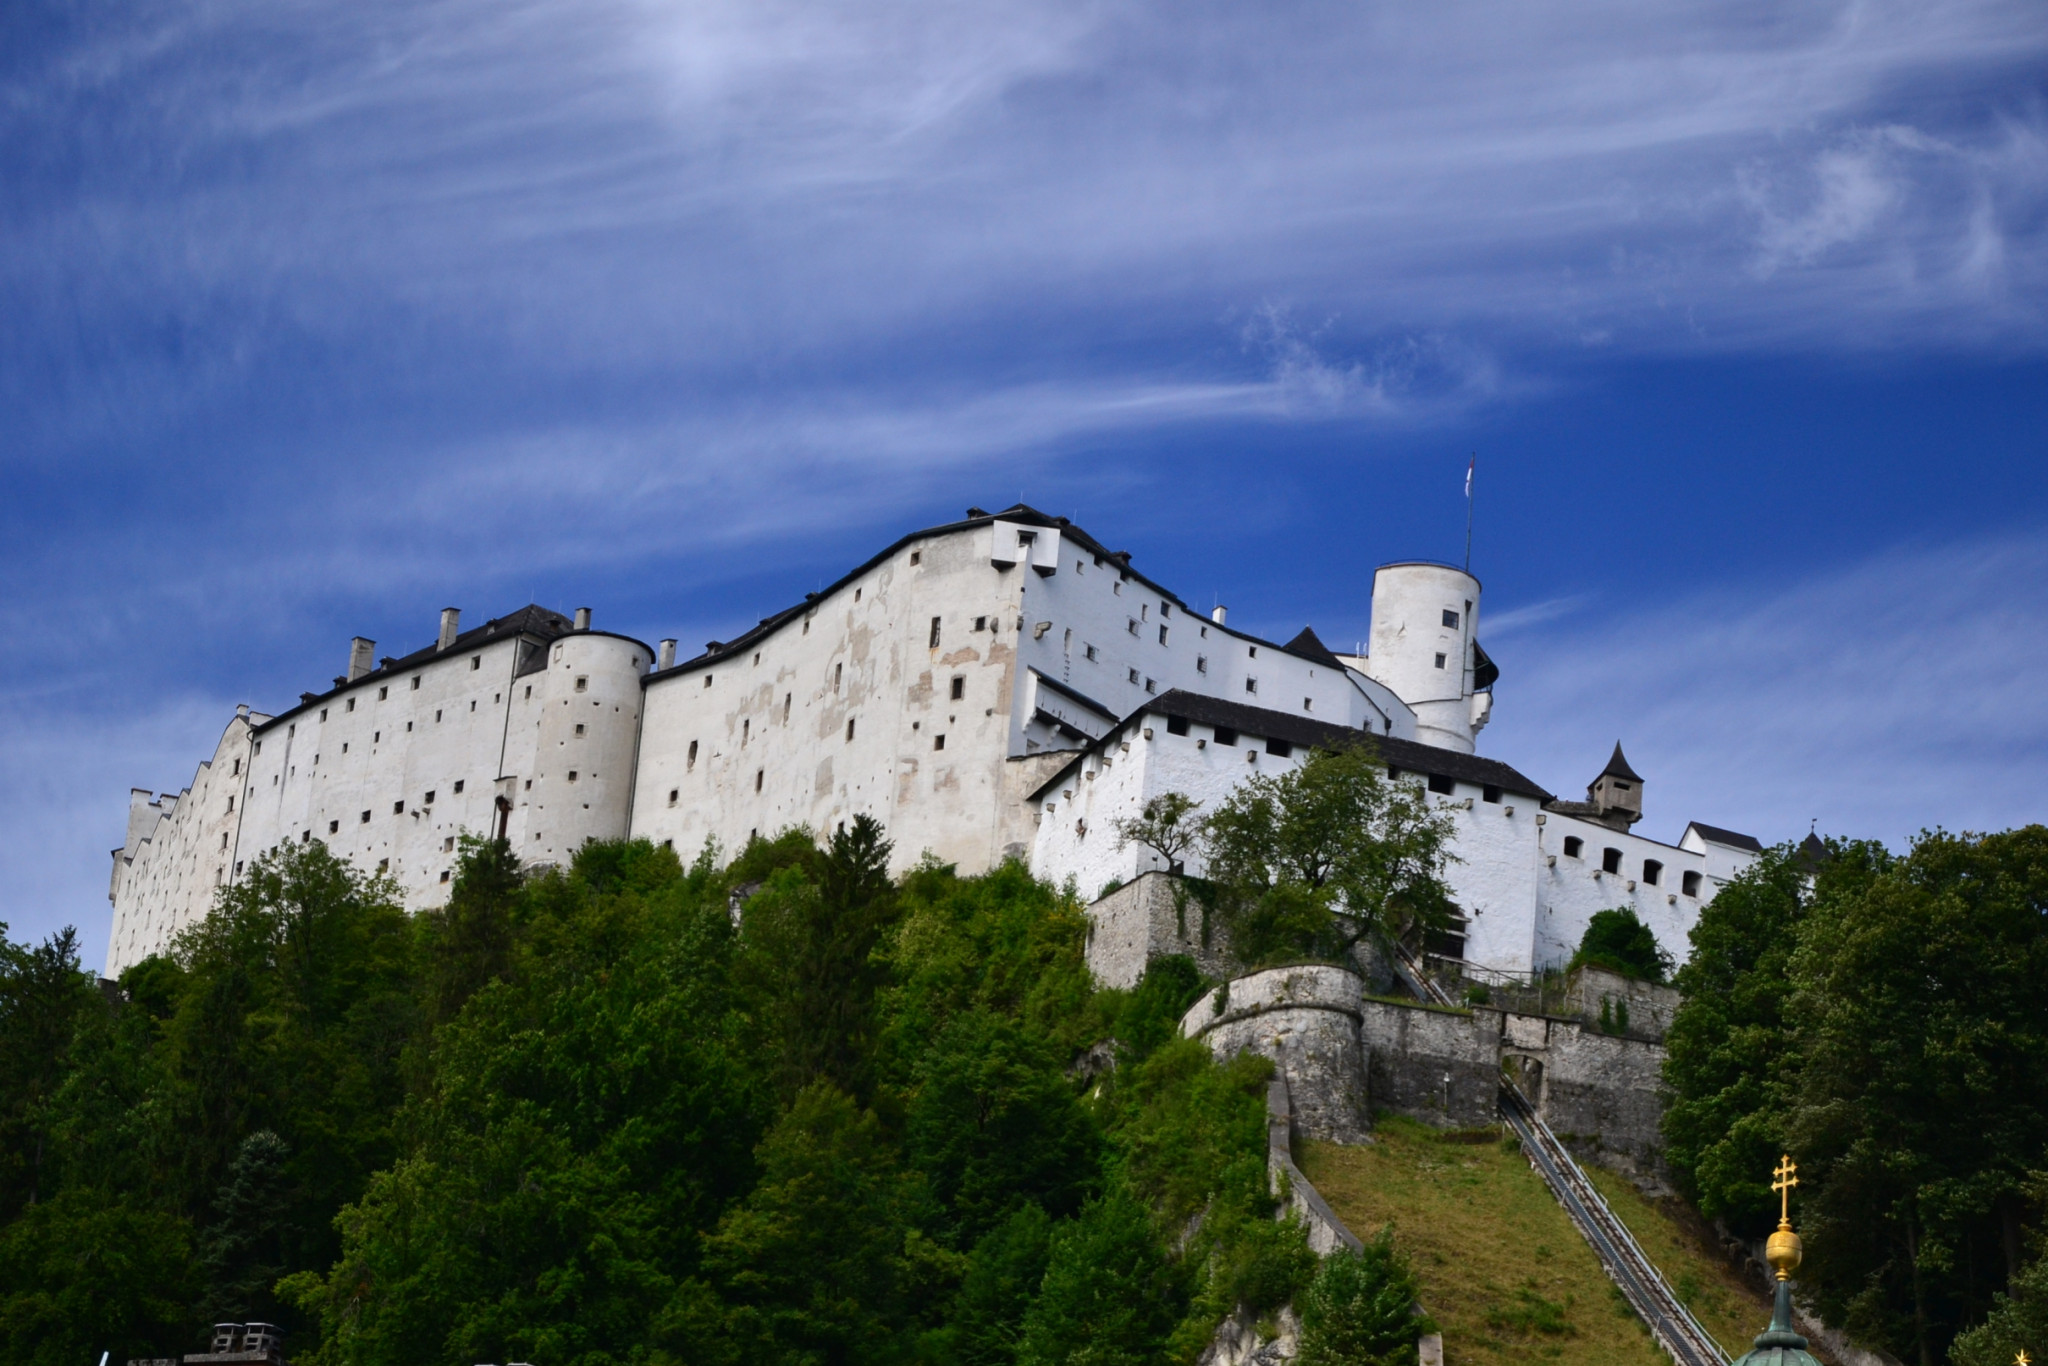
<point>1617,767</point>
<point>1778,1345</point>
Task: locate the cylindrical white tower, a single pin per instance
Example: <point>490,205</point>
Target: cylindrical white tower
<point>1424,620</point>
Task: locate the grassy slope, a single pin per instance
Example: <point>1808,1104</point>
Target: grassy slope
<point>1502,1268</point>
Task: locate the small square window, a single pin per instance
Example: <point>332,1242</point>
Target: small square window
<point>1652,871</point>
<point>1201,664</point>
<point>1176,725</point>
<point>1441,785</point>
<point>1162,633</point>
<point>1279,748</point>
<point>1689,883</point>
<point>1450,618</point>
<point>448,845</point>
<point>1134,626</point>
<point>938,742</point>
<point>334,827</point>
<point>444,875</point>
<point>691,762</point>
<point>1439,661</point>
<point>1150,686</point>
<point>579,728</point>
<point>917,557</point>
<point>1088,651</point>
<point>935,633</point>
<point>349,705</point>
<point>1489,793</point>
<point>1251,685</point>
<point>1308,704</point>
<point>366,818</point>
<point>430,799</point>
<point>1134,675</point>
<point>959,687</point>
<point>475,662</point>
<point>981,623</point>
<point>674,795</point>
<point>1610,860</point>
<point>323,713</point>
<point>583,683</point>
<point>437,716</point>
<point>849,727</point>
<point>408,728</point>
<point>1225,735</point>
<point>458,785</point>
<point>398,808</point>
<point>383,692</point>
<point>415,682</point>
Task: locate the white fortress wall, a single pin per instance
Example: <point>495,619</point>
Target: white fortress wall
<point>389,767</point>
<point>846,705</point>
<point>178,850</point>
<point>1573,887</point>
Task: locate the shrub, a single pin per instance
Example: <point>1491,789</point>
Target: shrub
<point>1617,941</point>
<point>1360,1309</point>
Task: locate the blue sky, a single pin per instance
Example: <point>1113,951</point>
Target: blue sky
<point>316,318</point>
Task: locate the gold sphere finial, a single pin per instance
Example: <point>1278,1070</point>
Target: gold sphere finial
<point>1784,1251</point>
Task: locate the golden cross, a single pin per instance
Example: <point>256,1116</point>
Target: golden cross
<point>1783,1185</point>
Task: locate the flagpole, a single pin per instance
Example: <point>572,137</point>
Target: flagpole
<point>1468,511</point>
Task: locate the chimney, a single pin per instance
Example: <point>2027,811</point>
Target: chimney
<point>583,618</point>
<point>667,658</point>
<point>1218,614</point>
<point>361,651</point>
<point>451,626</point>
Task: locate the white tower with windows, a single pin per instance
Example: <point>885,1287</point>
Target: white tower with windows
<point>1425,619</point>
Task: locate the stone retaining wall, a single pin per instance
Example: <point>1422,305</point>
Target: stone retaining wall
<point>1151,916</point>
<point>1306,1020</point>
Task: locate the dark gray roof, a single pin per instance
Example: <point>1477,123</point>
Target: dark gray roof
<point>718,650</point>
<point>537,624</point>
<point>1734,839</point>
<point>1617,767</point>
<point>1404,756</point>
<point>1310,646</point>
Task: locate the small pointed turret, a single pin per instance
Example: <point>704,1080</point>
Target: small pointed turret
<point>1617,794</point>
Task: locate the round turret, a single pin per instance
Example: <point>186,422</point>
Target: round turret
<point>1424,620</point>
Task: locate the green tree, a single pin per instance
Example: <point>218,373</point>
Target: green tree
<point>80,1275</point>
<point>1360,1309</point>
<point>818,1263</point>
<point>1308,862</point>
<point>986,1318</point>
<point>586,1119</point>
<point>1111,1296</point>
<point>1921,1098</point>
<point>994,1124</point>
<point>1150,1013</point>
<point>810,965</point>
<point>469,941</point>
<point>243,1254</point>
<point>1729,1048</point>
<point>1620,942</point>
<point>1167,826</point>
<point>43,995</point>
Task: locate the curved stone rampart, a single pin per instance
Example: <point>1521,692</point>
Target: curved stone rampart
<point>1305,1019</point>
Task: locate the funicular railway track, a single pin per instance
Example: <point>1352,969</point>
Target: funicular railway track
<point>1630,1268</point>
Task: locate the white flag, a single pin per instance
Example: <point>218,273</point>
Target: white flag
<point>1468,476</point>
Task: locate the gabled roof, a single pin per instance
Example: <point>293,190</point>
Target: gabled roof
<point>1733,839</point>
<point>1617,767</point>
<point>1405,756</point>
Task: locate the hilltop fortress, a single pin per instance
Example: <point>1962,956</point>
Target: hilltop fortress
<point>999,687</point>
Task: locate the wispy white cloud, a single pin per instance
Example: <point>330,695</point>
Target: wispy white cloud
<point>1899,693</point>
